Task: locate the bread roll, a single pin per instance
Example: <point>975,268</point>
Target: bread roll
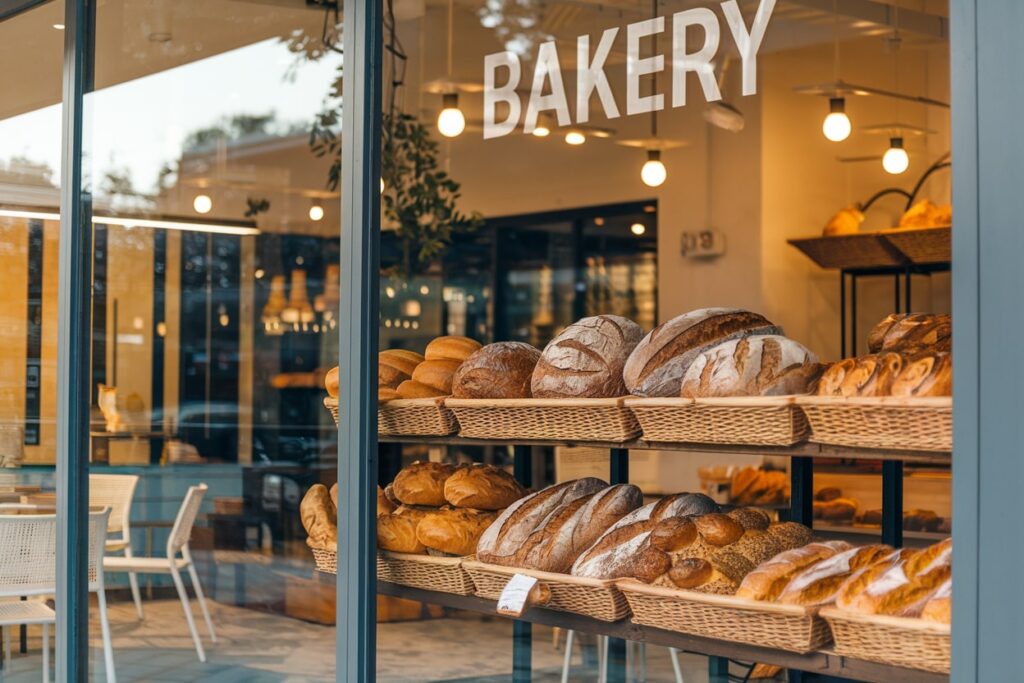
<point>750,366</point>
<point>384,505</point>
<point>422,483</point>
<point>836,510</point>
<point>770,578</point>
<point>453,531</point>
<point>500,370</point>
<point>437,374</point>
<point>319,518</point>
<point>331,382</point>
<point>846,222</point>
<point>483,487</point>
<point>926,375</point>
<point>939,607</point>
<point>385,394</point>
<point>586,359</point>
<point>334,498</point>
<point>506,536</point>
<point>702,575</point>
<point>451,348</point>
<point>819,583</point>
<point>397,532</point>
<point>660,361</point>
<point>413,389</point>
<point>791,534</point>
<point>395,366</point>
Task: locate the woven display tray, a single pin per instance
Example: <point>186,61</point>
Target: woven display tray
<point>594,598</point>
<point>923,245</point>
<point>762,421</point>
<point>441,574</point>
<point>555,419</point>
<point>863,250</point>
<point>917,424</point>
<point>409,416</point>
<point>899,641</point>
<point>766,624</point>
<point>326,560</point>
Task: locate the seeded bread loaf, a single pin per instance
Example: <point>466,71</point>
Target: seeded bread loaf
<point>586,359</point>
<point>500,370</point>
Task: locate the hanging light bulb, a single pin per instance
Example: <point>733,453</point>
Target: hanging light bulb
<point>202,203</point>
<point>382,186</point>
<point>575,137</point>
<point>542,129</point>
<point>316,211</point>
<point>653,172</point>
<point>638,229</point>
<point>895,160</point>
<point>836,126</point>
<point>451,122</point>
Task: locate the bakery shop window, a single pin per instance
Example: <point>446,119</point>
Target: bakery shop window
<point>640,222</point>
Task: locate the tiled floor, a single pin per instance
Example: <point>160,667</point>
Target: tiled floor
<point>257,647</point>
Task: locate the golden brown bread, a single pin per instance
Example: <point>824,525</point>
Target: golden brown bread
<point>499,370</point>
<point>846,222</point>
<point>318,516</point>
<point>895,593</point>
<point>769,579</point>
<point>453,531</point>
<point>385,394</point>
<point>397,532</point>
<point>451,348</point>
<point>422,483</point>
<point>753,486</point>
<point>939,607</point>
<point>394,366</point>
<point>334,498</point>
<point>819,583</point>
<point>757,365</point>
<point>702,575</point>
<point>930,374</point>
<point>586,359</point>
<point>927,214</point>
<point>331,382</point>
<point>413,389</point>
<point>483,487</point>
<point>858,581</point>
<point>930,557</point>
<point>384,506</point>
<point>836,510</point>
<point>437,374</point>
<point>833,379</point>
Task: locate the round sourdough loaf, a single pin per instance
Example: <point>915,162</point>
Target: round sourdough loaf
<point>483,487</point>
<point>422,483</point>
<point>762,365</point>
<point>453,532</point>
<point>499,370</point>
<point>586,359</point>
<point>659,362</point>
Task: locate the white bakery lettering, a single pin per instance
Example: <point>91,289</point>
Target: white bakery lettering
<point>591,77</point>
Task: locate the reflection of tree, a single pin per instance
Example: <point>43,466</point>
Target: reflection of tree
<point>238,127</point>
<point>20,170</point>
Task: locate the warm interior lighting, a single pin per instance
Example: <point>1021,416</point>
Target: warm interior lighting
<point>541,131</point>
<point>896,159</point>
<point>316,212</point>
<point>638,229</point>
<point>202,203</point>
<point>836,126</point>
<point>220,229</point>
<point>451,122</point>
<point>574,137</point>
<point>653,172</point>
<point>59,27</point>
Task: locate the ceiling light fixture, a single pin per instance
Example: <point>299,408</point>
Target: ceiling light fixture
<point>202,203</point>
<point>316,211</point>
<point>896,160</point>
<point>575,138</point>
<point>126,222</point>
<point>653,172</point>
<point>450,122</point>
<point>59,27</point>
<point>638,229</point>
<point>836,126</point>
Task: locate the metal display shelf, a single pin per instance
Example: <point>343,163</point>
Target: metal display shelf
<point>823,662</point>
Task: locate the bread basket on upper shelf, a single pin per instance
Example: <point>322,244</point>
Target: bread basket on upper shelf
<point>754,420</point>
<point>545,419</point>
<point>409,417</point>
<point>596,598</point>
<point>767,624</point>
<point>900,641</point>
<point>886,422</point>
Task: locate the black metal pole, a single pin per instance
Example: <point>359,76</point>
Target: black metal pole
<point>801,490</point>
<point>842,314</point>
<point>718,670</point>
<point>853,314</point>
<point>892,503</point>
<point>522,631</point>
<point>358,332</point>
<point>73,353</point>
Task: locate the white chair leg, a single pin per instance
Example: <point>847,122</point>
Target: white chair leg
<point>46,653</point>
<point>202,600</point>
<point>570,635</point>
<point>188,611</point>
<point>602,659</point>
<point>7,648</point>
<point>673,654</point>
<point>133,581</point>
<point>108,646</point>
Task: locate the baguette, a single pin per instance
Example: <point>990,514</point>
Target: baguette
<point>857,582</point>
<point>819,583</point>
<point>769,579</point>
<point>940,606</point>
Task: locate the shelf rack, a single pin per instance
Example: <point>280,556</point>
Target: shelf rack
<point>819,664</point>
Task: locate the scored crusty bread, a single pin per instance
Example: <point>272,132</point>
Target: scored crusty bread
<point>749,366</point>
<point>453,531</point>
<point>503,540</point>
<point>422,483</point>
<point>895,593</point>
<point>384,504</point>
<point>586,359</point>
<point>858,581</point>
<point>397,532</point>
<point>482,487</point>
<point>928,374</point>
<point>768,580</point>
<point>499,370</point>
<point>451,348</point>
<point>939,607</point>
<point>819,583</point>
<point>660,361</point>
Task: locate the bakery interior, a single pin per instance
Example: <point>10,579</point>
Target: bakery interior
<point>212,130</point>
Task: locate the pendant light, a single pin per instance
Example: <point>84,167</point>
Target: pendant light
<point>836,125</point>
<point>575,138</point>
<point>895,160</point>
<point>202,203</point>
<point>450,122</point>
<point>316,211</point>
<point>653,173</point>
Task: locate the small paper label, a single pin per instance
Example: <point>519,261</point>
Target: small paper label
<point>515,595</point>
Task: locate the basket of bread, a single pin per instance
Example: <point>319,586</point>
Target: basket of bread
<point>923,235</point>
<point>897,610</point>
<point>544,534</point>
<point>899,396</point>
<point>319,514</point>
<point>720,375</point>
<point>572,391</point>
<point>432,516</point>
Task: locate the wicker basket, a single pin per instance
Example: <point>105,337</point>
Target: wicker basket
<point>916,424</point>
<point>409,416</point>
<point>864,250</point>
<point>558,419</point>
<point>326,560</point>
<point>594,598</point>
<point>761,421</point>
<point>441,574</point>
<point>923,246</point>
<point>899,641</point>
<point>766,624</point>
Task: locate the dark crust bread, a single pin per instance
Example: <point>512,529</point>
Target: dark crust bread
<point>499,370</point>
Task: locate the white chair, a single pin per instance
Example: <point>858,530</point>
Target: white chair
<point>117,491</point>
<point>636,657</point>
<point>28,568</point>
<point>172,564</point>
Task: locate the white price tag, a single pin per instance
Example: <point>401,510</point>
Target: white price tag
<point>513,600</point>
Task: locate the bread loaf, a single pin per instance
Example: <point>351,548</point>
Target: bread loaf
<point>385,394</point>
<point>453,531</point>
<point>422,483</point>
<point>397,532</point>
<point>897,594</point>
<point>334,498</point>
<point>751,366</point>
<point>506,536</point>
<point>394,366</point>
<point>926,375</point>
<point>586,359</point>
<point>913,331</point>
<point>819,583</point>
<point>846,222</point>
<point>483,487</point>
<point>836,510</point>
<point>451,348</point>
<point>702,575</point>
<point>500,370</point>
<point>939,607</point>
<point>855,584</point>
<point>660,361</point>
<point>437,374</point>
<point>768,580</point>
<point>318,517</point>
<point>331,382</point>
<point>384,506</point>
<point>413,389</point>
